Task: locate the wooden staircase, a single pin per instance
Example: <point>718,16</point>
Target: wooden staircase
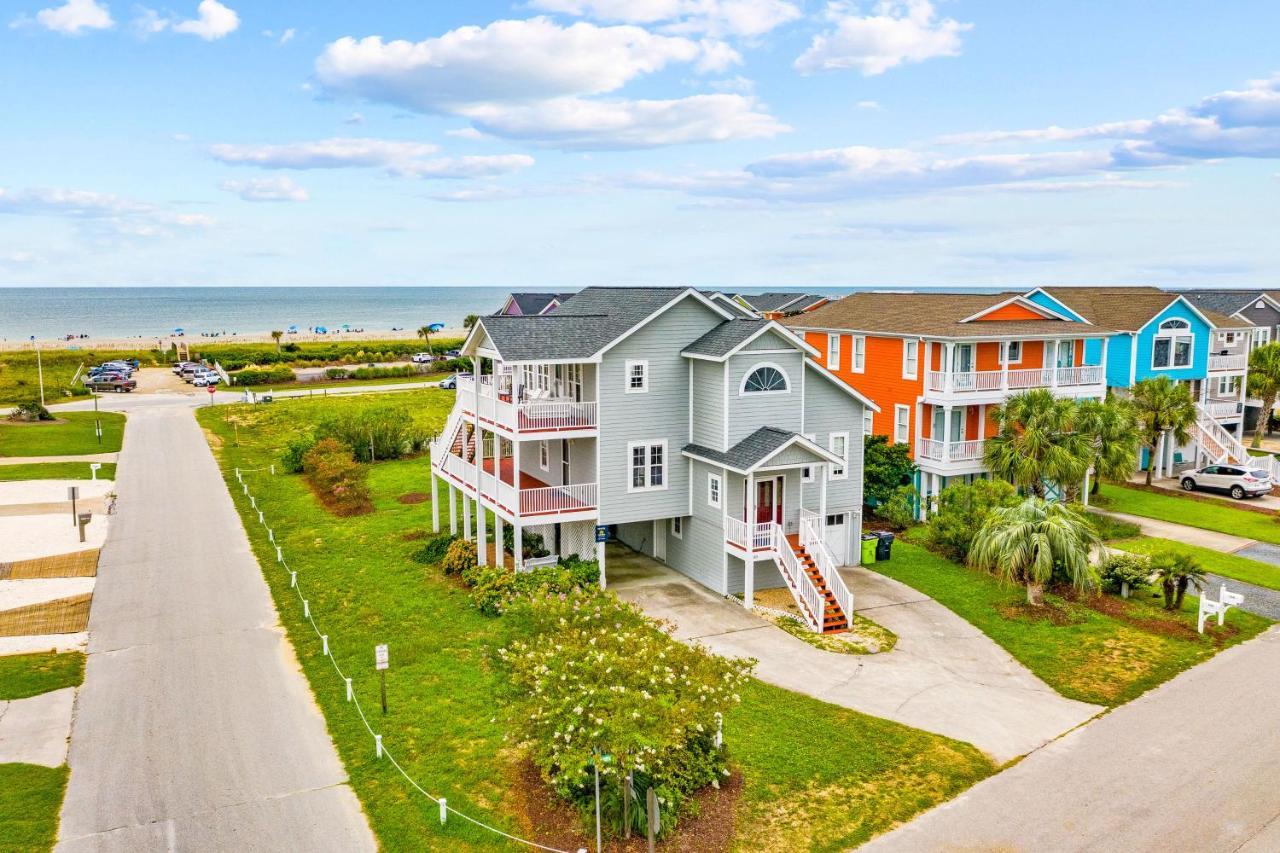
<point>834,620</point>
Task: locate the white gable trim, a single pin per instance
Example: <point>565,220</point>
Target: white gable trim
<point>1062,302</point>
<point>1176,299</point>
<point>841,384</point>
<point>1044,311</point>
<point>774,326</point>
<point>687,292</point>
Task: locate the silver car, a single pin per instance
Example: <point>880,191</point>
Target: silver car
<point>1236,480</point>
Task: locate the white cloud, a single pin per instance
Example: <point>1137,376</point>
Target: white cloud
<point>466,133</point>
<point>266,189</point>
<point>213,21</point>
<point>73,16</point>
<point>485,166</point>
<point>744,18</point>
<point>101,212</point>
<point>1109,130</point>
<point>580,123</point>
<point>899,31</point>
<point>869,105</point>
<point>532,80</point>
<point>287,36</point>
<point>335,153</point>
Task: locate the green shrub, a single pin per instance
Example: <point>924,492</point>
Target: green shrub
<point>433,550</point>
<point>386,429</point>
<point>962,510</point>
<point>337,478</point>
<point>530,543</point>
<point>886,467</point>
<point>337,373</point>
<point>1132,569</point>
<point>459,557</point>
<point>31,410</point>
<point>383,372</point>
<point>900,509</point>
<point>292,457</point>
<point>588,674</point>
<point>269,376</point>
<point>492,587</point>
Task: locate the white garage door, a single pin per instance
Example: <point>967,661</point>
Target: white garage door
<point>838,536</point>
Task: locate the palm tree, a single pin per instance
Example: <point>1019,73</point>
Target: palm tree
<point>470,320</point>
<point>1264,384</point>
<point>1162,406</point>
<point>276,336</point>
<point>424,332</point>
<point>1175,572</point>
<point>1112,430</point>
<point>1028,542</point>
<point>1037,442</point>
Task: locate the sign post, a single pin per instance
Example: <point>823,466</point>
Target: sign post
<point>381,661</point>
<point>97,429</point>
<point>211,390</point>
<point>93,469</point>
<point>73,492</point>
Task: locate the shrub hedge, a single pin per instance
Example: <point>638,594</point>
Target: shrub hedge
<point>336,477</point>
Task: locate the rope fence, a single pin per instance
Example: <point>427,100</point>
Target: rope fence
<point>327,651</point>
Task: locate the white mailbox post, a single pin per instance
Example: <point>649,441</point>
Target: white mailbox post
<point>94,467</point>
<point>1226,599</point>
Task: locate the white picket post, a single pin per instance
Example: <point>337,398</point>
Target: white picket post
<point>238,480</point>
<point>324,640</point>
<point>293,579</point>
<point>306,608</point>
<point>260,521</point>
<point>377,740</point>
<point>350,692</point>
<point>271,534</point>
<point>273,469</point>
<point>444,810</point>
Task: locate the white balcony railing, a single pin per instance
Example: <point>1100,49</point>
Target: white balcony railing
<point>978,381</point>
<point>541,500</point>
<point>954,451</point>
<point>1224,408</point>
<point>494,405</point>
<point>557,499</point>
<point>753,537</point>
<point>1224,363</point>
<point>556,415</point>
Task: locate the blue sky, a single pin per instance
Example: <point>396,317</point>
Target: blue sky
<point>732,143</point>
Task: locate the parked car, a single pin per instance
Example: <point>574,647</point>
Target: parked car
<point>450,383</point>
<point>453,353</point>
<point>117,382</point>
<point>422,358</point>
<point>206,378</point>
<point>177,368</point>
<point>189,371</point>
<point>1236,480</point>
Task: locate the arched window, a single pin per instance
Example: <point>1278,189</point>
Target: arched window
<point>765,379</point>
<point>1174,324</point>
<point>1172,346</point>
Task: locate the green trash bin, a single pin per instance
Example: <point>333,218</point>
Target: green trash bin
<point>869,543</point>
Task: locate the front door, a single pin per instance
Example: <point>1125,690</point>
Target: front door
<point>769,501</point>
<point>962,359</point>
<point>957,423</point>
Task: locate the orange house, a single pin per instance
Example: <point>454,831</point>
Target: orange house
<point>937,363</point>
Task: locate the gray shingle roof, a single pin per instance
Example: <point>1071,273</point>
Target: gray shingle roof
<point>723,338</point>
<point>1223,301</point>
<point>584,324</point>
<point>770,301</point>
<point>752,450</point>
<point>535,303</point>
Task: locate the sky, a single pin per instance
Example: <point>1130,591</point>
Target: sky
<point>563,143</point>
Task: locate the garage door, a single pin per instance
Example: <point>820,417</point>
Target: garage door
<point>838,536</point>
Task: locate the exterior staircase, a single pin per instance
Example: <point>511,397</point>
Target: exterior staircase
<point>834,619</point>
<point>1217,442</point>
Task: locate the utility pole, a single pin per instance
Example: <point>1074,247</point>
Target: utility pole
<point>39,368</point>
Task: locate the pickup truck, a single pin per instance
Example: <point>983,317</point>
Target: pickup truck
<point>111,382</point>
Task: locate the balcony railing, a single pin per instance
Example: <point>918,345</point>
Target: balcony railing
<point>753,537</point>
<point>953,451</point>
<point>1224,408</point>
<point>977,381</point>
<point>537,501</point>
<point>531,415</point>
<point>1222,363</point>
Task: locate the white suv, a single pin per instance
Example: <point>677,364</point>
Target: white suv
<point>1235,480</point>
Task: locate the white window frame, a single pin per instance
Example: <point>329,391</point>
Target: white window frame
<point>1233,386</point>
<point>742,386</point>
<point>1261,337</point>
<point>677,526</point>
<point>544,455</point>
<point>1228,338</point>
<point>839,472</point>
<point>631,364</point>
<point>859,360</point>
<point>868,423</point>
<point>1174,334</point>
<point>648,466</point>
<point>1005,357</point>
<point>899,426</point>
<point>833,351</point>
<point>910,359</point>
<point>715,491</point>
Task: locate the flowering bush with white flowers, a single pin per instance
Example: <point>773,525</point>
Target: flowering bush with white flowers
<point>593,679</point>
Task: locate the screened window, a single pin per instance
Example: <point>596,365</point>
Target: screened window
<point>838,444</point>
<point>1012,352</point>
<point>648,466</point>
<point>765,380</point>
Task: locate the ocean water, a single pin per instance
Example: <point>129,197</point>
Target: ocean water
<point>51,313</point>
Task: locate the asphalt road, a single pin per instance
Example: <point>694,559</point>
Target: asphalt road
<point>1194,765</point>
<point>195,729</point>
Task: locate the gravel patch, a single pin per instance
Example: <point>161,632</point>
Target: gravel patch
<point>1263,552</point>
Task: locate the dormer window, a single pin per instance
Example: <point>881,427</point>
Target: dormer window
<point>765,379</point>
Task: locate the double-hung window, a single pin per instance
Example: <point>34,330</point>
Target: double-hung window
<point>867,422</point>
<point>714,486</point>
<point>637,377</point>
<point>1172,345</point>
<point>901,424</point>
<point>910,359</point>
<point>859,354</point>
<point>833,351</point>
<point>838,443</point>
<point>1011,352</point>
<point>648,466</point>
<point>544,456</point>
<point>677,527</point>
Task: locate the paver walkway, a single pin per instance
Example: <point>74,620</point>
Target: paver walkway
<point>943,676</point>
<point>1211,539</point>
<point>1191,765</point>
<point>195,729</point>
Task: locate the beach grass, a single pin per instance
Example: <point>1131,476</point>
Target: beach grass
<point>814,776</point>
<point>338,383</point>
<point>72,434</point>
<point>55,471</point>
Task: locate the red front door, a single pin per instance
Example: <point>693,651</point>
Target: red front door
<point>769,501</point>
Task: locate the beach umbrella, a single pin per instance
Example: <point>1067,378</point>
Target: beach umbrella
<point>293,328</point>
<point>436,327</point>
<point>178,331</point>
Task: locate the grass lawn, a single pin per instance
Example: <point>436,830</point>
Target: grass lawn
<point>72,436</point>
<point>1211,516</point>
<point>56,471</point>
<point>1080,651</point>
<point>815,776</point>
<point>30,675</point>
<point>338,383</point>
<point>20,378</point>
<point>30,799</point>
<point>1227,565</point>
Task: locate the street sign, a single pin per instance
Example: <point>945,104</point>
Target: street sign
<point>380,659</point>
<point>210,389</point>
<point>73,492</point>
<point>602,533</point>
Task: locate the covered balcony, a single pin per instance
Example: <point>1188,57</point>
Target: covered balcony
<point>987,371</point>
<point>1228,363</point>
<point>979,381</point>
<point>531,398</point>
<point>951,451</point>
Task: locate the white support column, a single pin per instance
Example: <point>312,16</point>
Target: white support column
<point>1004,365</point>
<point>1158,462</point>
<point>724,531</point>
<point>982,422</point>
<point>517,544</point>
<point>922,512</point>
<point>946,432</point>
<point>498,557</point>
<point>937,489</point>
<point>1102,366</point>
<point>453,509</point>
<point>948,349</point>
<point>466,517</point>
<point>604,580</point>
<point>822,502</point>
<point>435,503</point>
<point>749,569</point>
<point>1053,365</point>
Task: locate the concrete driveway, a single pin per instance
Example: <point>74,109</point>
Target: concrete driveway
<point>944,675</point>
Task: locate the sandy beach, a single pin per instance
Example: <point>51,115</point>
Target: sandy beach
<point>195,341</point>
